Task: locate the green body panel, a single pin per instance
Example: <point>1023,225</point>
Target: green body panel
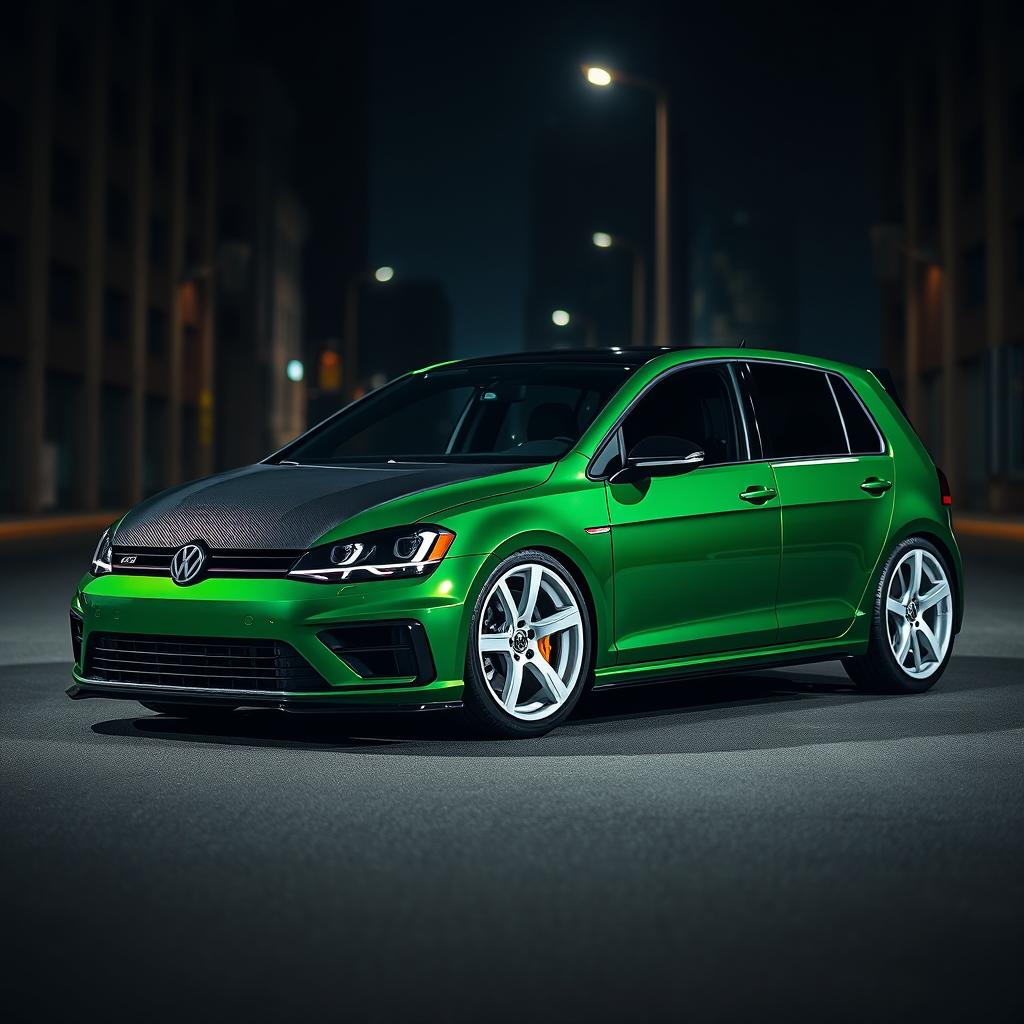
<point>696,567</point>
<point>832,535</point>
<point>690,577</point>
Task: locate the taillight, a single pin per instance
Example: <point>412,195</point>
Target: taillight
<point>947,497</point>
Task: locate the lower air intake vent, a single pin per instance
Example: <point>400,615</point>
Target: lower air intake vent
<point>383,650</point>
<point>206,662</point>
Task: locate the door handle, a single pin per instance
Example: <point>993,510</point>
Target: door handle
<point>758,495</point>
<point>875,485</point>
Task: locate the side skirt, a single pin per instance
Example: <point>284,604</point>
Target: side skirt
<point>719,664</point>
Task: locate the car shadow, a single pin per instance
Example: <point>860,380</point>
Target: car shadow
<point>770,709</point>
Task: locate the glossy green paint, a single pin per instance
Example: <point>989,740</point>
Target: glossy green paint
<point>696,566</point>
<point>691,577</point>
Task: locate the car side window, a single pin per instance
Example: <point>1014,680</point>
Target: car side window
<point>694,405</point>
<point>796,413</point>
<point>863,435</point>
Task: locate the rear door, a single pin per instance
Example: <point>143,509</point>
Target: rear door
<point>835,480</point>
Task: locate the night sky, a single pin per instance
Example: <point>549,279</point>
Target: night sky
<point>773,107</point>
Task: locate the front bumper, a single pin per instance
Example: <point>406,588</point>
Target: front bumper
<point>293,612</point>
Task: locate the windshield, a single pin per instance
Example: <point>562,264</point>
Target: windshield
<point>522,412</point>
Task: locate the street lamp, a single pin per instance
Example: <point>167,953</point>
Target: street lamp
<point>563,318</point>
<point>350,367</point>
<point>602,78</point>
<point>603,240</point>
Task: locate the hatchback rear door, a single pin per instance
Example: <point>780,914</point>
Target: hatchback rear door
<point>835,480</point>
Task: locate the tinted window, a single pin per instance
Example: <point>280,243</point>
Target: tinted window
<point>796,412</point>
<point>694,405</point>
<point>864,437</point>
<point>492,412</point>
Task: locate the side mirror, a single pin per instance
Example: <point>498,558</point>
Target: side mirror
<point>659,456</point>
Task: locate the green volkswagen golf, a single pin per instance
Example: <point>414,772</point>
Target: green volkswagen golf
<point>501,534</point>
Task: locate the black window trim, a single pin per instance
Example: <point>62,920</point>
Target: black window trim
<point>883,444</point>
<point>614,433</point>
<point>744,396</point>
<point>849,454</point>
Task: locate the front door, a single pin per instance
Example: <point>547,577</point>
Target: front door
<point>696,556</point>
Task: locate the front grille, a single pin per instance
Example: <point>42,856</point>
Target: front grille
<point>211,663</point>
<point>383,650</point>
<point>245,564</point>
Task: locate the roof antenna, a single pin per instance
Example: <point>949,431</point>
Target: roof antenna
<point>742,344</point>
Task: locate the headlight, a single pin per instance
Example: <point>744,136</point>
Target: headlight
<point>102,555</point>
<point>390,554</point>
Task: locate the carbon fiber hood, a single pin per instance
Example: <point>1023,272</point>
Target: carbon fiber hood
<point>266,506</point>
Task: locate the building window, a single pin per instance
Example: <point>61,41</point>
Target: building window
<point>115,315</point>
<point>64,188</point>
<point>156,331</point>
<point>157,241</point>
<point>8,268</point>
<point>63,293</point>
<point>974,286</point>
<point>117,214</point>
<point>972,165</point>
<point>119,114</point>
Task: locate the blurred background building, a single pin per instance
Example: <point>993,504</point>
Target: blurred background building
<point>744,280</point>
<point>195,213</point>
<point>951,248</point>
<point>151,253</point>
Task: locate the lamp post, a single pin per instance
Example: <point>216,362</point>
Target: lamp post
<point>350,367</point>
<point>602,78</point>
<point>603,240</point>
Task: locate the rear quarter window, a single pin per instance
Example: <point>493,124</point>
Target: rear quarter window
<point>865,438</point>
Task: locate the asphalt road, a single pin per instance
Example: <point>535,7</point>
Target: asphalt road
<point>762,846</point>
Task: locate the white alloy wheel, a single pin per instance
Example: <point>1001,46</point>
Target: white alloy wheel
<point>530,642</point>
<point>919,613</point>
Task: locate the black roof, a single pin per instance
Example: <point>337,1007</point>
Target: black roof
<point>572,355</point>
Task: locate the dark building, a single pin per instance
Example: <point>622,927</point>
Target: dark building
<point>952,248</point>
<point>403,325</point>
<point>744,280</point>
<point>592,171</point>
<point>143,205</point>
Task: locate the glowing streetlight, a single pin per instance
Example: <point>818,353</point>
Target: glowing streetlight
<point>350,379</point>
<point>603,240</point>
<point>603,77</point>
<point>597,76</point>
<point>295,370</point>
<point>560,318</point>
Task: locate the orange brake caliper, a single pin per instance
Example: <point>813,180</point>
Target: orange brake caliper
<point>544,646</point>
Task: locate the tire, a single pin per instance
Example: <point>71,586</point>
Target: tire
<point>521,681</point>
<point>196,711</point>
<point>910,613</point>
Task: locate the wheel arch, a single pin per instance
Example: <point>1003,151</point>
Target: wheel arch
<point>585,576</point>
<point>946,546</point>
